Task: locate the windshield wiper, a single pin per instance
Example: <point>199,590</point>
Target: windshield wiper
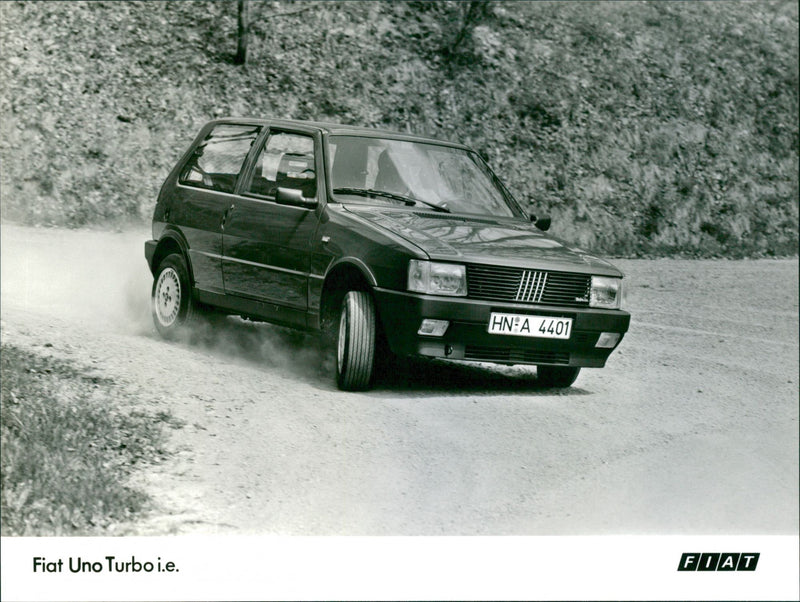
<point>371,192</point>
<point>441,208</point>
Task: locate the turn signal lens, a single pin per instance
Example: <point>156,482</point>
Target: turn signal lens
<point>607,340</point>
<point>433,328</point>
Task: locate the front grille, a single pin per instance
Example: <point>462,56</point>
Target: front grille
<point>495,283</point>
<point>506,354</point>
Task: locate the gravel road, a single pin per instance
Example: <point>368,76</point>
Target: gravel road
<point>692,427</point>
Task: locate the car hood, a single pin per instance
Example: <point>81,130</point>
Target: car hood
<point>487,240</point>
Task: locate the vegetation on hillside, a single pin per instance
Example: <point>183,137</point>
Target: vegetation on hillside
<point>641,127</point>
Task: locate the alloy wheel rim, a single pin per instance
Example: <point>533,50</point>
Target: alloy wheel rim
<point>167,298</point>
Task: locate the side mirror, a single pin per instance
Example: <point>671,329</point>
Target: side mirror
<point>292,196</point>
<point>543,223</point>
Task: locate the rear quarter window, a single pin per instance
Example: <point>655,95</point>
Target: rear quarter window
<point>217,160</point>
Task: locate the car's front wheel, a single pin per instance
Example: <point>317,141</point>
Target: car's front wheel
<point>556,376</point>
<point>355,344</point>
<point>171,298</point>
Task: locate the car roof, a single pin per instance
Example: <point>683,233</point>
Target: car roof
<point>338,129</point>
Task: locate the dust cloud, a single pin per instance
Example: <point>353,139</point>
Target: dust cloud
<point>100,279</point>
<point>262,344</point>
<point>97,278</point>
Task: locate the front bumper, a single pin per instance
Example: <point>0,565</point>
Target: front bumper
<point>467,337</point>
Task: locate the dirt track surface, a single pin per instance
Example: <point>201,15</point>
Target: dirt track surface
<point>692,427</point>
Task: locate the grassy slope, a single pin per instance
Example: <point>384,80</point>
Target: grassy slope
<point>643,128</point>
<point>68,447</point>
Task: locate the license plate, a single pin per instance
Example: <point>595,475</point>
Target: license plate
<point>530,326</point>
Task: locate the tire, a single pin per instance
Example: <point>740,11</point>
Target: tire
<point>556,376</point>
<point>171,301</point>
<point>355,342</point>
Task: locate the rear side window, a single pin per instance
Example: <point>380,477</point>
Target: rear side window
<point>216,162</point>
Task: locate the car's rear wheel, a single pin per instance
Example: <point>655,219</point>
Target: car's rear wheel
<point>173,307</point>
<point>355,344</point>
<point>556,376</point>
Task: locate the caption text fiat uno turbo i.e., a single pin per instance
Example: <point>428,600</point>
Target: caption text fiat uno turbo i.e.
<point>374,237</point>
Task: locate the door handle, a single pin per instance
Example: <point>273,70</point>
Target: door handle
<point>225,216</point>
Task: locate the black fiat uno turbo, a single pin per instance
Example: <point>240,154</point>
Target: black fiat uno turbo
<point>371,236</point>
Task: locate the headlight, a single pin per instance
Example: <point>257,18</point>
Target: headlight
<point>606,292</point>
<point>437,278</point>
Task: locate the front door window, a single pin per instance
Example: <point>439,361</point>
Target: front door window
<point>286,161</point>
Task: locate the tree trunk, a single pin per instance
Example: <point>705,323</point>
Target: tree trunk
<point>244,25</point>
<point>475,10</point>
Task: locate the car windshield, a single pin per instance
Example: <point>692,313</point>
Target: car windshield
<point>432,176</point>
